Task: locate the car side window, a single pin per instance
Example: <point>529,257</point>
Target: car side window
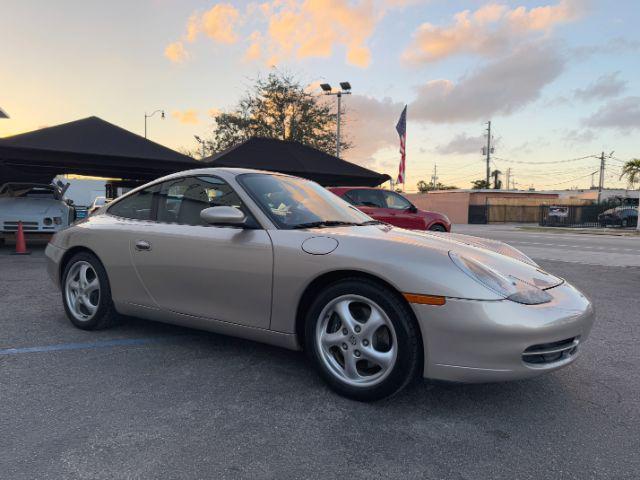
<point>365,198</point>
<point>138,206</point>
<point>182,199</point>
<point>395,201</point>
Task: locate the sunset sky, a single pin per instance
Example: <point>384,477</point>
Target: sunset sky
<point>560,79</point>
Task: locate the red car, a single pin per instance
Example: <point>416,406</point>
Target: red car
<point>391,207</point>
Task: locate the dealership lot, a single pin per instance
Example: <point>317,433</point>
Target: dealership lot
<point>146,400</point>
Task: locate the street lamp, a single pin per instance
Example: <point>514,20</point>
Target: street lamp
<point>201,142</point>
<point>3,114</point>
<point>149,116</point>
<point>345,89</point>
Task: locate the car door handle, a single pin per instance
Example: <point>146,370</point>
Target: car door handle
<point>143,245</point>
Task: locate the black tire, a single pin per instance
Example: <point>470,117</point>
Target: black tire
<point>438,228</point>
<point>409,361</point>
<point>106,315</point>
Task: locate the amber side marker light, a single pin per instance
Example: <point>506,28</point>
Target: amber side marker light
<point>424,299</point>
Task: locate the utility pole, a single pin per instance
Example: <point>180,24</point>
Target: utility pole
<point>601,179</point>
<point>488,152</point>
<point>508,177</point>
<point>338,126</point>
<point>434,177</point>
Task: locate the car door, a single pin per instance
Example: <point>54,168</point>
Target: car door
<point>216,272</point>
<point>401,211</point>
<point>368,201</point>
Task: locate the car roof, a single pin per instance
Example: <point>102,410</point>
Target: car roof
<point>226,171</point>
<point>344,189</point>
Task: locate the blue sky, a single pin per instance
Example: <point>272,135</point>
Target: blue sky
<point>558,78</point>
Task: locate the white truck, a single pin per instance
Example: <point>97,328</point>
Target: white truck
<point>41,208</point>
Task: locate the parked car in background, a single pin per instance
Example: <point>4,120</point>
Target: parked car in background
<point>41,208</point>
<point>97,203</point>
<point>626,216</point>
<point>391,207</point>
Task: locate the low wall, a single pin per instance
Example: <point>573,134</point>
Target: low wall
<point>454,205</point>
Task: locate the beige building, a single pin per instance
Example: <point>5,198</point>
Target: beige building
<point>468,206</point>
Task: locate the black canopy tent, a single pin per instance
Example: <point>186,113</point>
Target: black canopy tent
<point>94,147</point>
<point>295,159</point>
<point>90,146</point>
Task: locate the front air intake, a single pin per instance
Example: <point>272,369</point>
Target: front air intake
<point>545,353</point>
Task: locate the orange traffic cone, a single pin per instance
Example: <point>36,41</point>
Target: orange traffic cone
<point>21,244</point>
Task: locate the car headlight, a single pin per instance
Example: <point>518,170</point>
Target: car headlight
<point>509,287</point>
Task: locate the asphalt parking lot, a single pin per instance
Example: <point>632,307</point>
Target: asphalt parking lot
<point>146,400</point>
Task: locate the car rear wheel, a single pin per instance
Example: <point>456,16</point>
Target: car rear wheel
<point>86,293</point>
<point>363,339</point>
<point>437,228</point>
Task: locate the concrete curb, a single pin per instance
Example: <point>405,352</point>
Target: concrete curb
<point>583,231</point>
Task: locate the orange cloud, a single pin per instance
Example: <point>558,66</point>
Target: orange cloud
<point>175,52</point>
<point>254,50</point>
<point>219,22</point>
<point>296,29</point>
<point>491,29</point>
<point>187,117</point>
<point>313,28</point>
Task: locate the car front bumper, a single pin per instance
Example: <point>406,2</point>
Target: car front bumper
<point>484,341</point>
<point>30,224</point>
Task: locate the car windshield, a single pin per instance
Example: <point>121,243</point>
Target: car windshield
<point>28,191</point>
<point>292,202</point>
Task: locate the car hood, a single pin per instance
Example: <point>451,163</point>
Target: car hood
<point>495,254</point>
<point>12,205</point>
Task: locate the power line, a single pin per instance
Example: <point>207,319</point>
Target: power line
<point>544,163</point>
<point>568,181</point>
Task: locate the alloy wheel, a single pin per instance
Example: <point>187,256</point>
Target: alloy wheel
<point>82,291</point>
<point>356,340</point>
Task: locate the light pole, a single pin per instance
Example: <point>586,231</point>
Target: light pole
<point>201,142</point>
<point>345,89</point>
<point>149,116</point>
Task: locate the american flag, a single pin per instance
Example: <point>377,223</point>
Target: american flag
<point>401,128</point>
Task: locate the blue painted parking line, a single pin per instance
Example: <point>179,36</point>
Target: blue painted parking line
<point>121,342</point>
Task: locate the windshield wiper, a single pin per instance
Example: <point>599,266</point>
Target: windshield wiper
<point>325,223</point>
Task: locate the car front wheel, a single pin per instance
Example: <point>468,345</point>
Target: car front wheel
<point>86,293</point>
<point>363,339</point>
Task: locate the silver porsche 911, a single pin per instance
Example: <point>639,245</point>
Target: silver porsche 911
<point>281,260</point>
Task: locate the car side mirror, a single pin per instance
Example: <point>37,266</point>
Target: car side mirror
<point>223,216</point>
<point>413,209</point>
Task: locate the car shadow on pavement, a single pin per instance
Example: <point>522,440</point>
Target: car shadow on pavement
<point>423,396</point>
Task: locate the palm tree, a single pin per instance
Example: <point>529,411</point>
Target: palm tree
<point>631,170</point>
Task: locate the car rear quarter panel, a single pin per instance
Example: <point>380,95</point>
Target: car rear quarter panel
<point>108,237</point>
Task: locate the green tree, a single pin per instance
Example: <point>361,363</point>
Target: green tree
<point>278,106</point>
<point>480,184</point>
<point>631,171</point>
<point>424,187</point>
